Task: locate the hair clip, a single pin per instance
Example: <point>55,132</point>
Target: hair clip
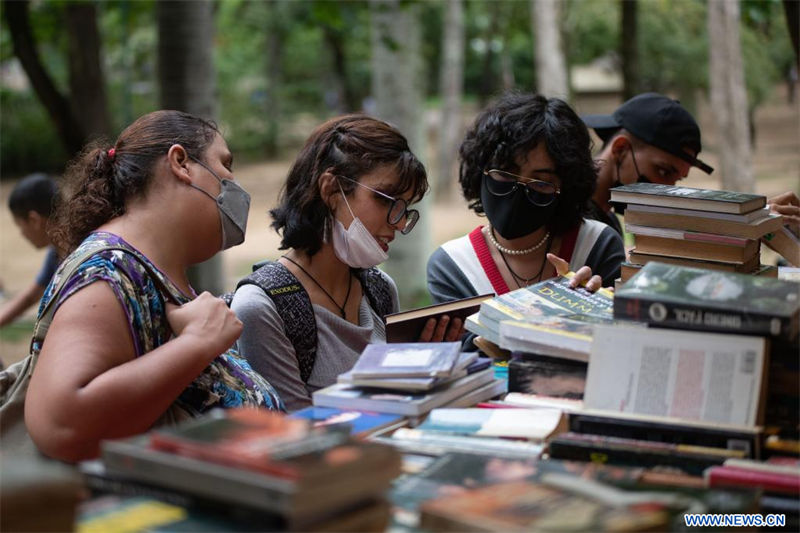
<point>111,152</point>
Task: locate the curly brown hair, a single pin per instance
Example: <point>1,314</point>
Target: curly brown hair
<point>99,182</point>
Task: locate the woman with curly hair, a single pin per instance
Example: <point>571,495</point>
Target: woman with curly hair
<point>526,165</point>
<point>131,345</point>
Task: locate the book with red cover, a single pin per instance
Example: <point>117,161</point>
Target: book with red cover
<point>266,442</point>
<point>725,476</point>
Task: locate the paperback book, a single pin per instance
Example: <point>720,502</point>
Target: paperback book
<point>531,424</point>
<point>399,402</point>
<point>407,360</point>
<point>467,363</point>
<point>679,374</point>
<point>674,296</point>
<point>361,423</point>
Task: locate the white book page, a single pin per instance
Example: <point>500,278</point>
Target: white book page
<point>675,373</point>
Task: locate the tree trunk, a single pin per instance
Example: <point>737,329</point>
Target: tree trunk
<point>792,10</point>
<point>274,14</point>
<point>551,64</point>
<point>86,82</point>
<point>729,96</point>
<point>488,82</point>
<point>58,107</point>
<point>187,82</point>
<point>397,80</point>
<point>629,48</point>
<point>452,89</point>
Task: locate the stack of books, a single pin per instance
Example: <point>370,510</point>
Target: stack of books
<point>410,379</point>
<point>254,465</point>
<point>702,228</point>
<point>548,329</point>
<point>460,492</point>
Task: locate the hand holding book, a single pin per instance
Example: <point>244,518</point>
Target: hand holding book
<point>442,329</point>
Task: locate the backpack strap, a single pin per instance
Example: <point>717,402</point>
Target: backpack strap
<point>378,290</point>
<point>71,266</point>
<point>294,306</point>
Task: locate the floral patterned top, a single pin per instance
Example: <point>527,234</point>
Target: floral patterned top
<point>228,381</point>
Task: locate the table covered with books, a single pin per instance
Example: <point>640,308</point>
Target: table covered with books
<point>671,404</point>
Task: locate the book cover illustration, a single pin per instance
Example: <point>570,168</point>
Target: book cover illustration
<point>548,298</point>
<point>360,422</point>
<point>691,298</point>
<point>415,359</point>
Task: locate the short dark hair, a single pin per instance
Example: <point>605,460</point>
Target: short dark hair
<point>351,146</point>
<point>99,182</point>
<point>513,126</point>
<point>35,192</point>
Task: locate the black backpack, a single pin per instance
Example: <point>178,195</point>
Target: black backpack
<point>294,305</point>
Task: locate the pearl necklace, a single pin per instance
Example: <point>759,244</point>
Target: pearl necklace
<point>509,251</point>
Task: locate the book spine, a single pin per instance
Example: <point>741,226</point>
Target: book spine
<point>629,455</point>
<point>670,433</point>
<point>695,317</point>
<point>723,476</point>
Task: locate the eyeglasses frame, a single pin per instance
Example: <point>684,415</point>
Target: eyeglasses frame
<point>407,213</point>
<point>523,181</point>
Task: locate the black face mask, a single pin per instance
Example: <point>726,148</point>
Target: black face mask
<point>514,216</point>
<point>641,178</point>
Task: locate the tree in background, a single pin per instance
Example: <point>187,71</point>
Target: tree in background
<point>397,90</point>
<point>187,83</point>
<point>82,114</point>
<point>629,48</point>
<point>551,63</point>
<point>729,96</point>
<point>451,85</point>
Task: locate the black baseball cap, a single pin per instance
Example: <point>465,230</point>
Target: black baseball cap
<point>657,120</point>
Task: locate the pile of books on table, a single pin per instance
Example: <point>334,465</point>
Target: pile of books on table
<point>548,329</point>
<point>702,228</point>
<point>255,468</point>
<point>410,379</point>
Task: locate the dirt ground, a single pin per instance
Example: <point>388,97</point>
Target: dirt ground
<point>776,161</point>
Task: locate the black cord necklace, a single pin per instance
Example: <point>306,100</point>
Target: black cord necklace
<point>527,281</point>
<point>349,286</point>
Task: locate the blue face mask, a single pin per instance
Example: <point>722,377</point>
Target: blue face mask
<point>233,204</point>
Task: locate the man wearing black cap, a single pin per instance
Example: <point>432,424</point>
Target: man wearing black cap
<point>650,138</point>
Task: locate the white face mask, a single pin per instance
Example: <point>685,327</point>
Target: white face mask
<point>355,246</point>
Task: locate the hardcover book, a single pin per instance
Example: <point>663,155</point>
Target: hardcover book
<point>407,360</point>
<point>687,198</point>
<point>751,225</point>
<point>673,296</point>
<point>407,326</point>
<point>679,374</point>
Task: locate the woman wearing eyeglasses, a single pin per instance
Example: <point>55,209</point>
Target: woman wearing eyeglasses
<point>345,200</point>
<point>526,164</point>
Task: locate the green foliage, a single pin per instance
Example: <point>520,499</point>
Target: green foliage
<point>28,142</point>
<point>591,29</point>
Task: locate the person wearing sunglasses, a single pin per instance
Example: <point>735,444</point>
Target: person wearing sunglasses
<point>346,198</point>
<point>526,165</point>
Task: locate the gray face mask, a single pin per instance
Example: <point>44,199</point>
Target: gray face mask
<point>233,204</point>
